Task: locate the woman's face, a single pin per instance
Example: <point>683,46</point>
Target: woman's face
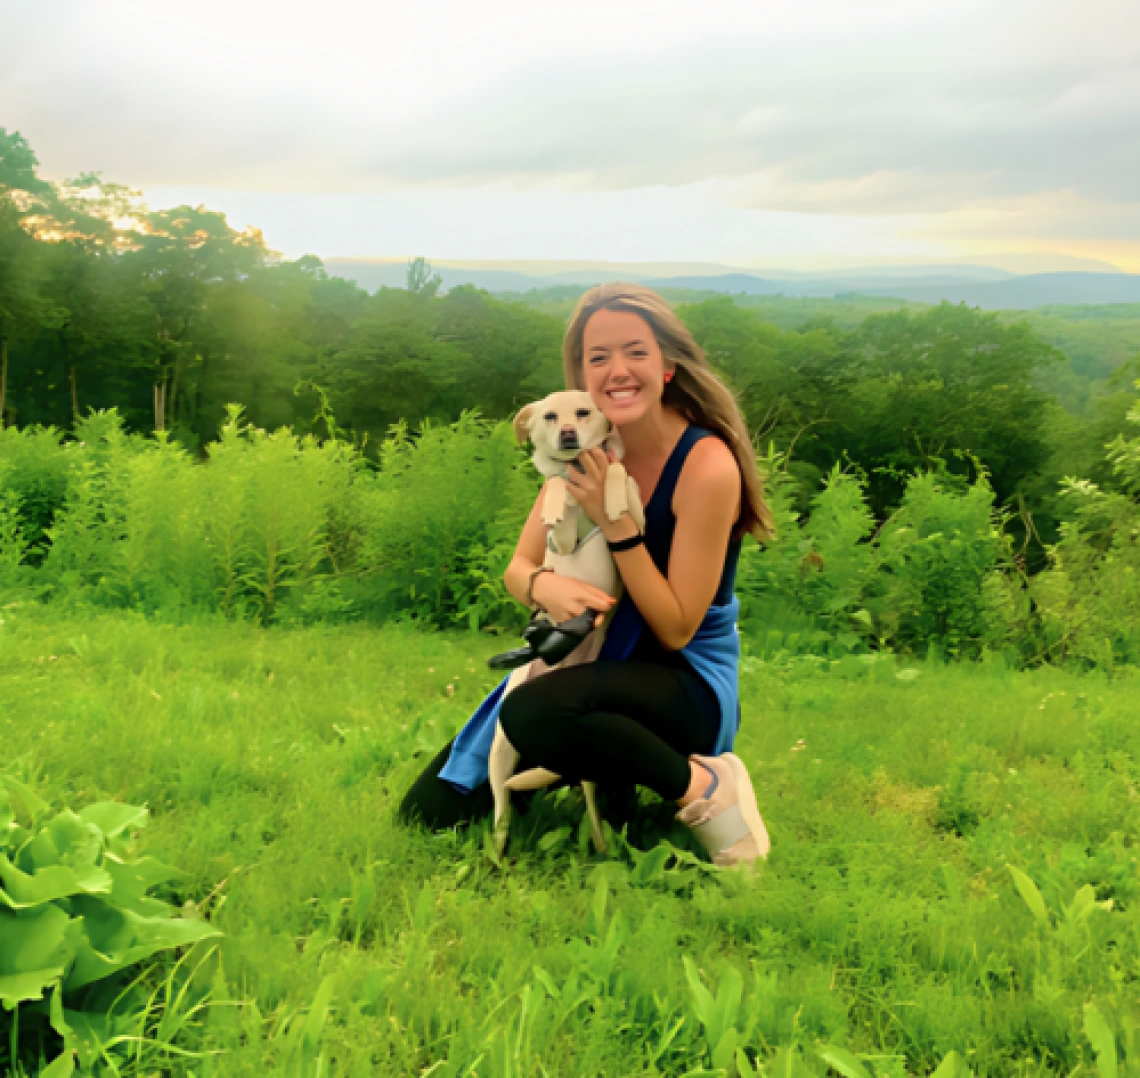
<point>623,365</point>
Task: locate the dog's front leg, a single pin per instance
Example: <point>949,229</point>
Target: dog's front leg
<point>555,501</point>
<point>623,496</point>
<point>616,494</point>
<point>564,534</point>
<point>633,497</point>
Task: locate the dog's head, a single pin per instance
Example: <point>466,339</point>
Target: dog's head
<point>561,426</point>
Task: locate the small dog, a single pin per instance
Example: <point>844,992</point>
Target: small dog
<point>560,427</point>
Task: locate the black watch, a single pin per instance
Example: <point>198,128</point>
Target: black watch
<point>618,545</point>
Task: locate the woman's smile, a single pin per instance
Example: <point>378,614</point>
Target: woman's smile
<point>623,394</point>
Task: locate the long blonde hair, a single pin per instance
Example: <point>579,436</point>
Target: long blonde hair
<point>695,391</point>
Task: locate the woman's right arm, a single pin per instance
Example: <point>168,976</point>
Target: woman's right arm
<point>562,597</point>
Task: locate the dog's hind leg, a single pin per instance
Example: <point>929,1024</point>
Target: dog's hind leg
<point>534,779</point>
<point>589,792</point>
<point>501,765</point>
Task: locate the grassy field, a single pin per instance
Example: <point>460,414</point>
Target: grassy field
<point>887,922</point>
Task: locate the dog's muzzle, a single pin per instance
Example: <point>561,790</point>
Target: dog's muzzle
<point>568,439</point>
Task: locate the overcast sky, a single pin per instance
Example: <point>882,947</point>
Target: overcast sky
<point>750,132</point>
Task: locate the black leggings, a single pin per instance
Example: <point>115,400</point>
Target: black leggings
<point>614,723</point>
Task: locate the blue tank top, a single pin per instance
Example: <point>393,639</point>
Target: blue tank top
<point>660,526</point>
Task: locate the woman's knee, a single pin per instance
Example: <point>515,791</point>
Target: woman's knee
<point>533,726</point>
<point>519,713</point>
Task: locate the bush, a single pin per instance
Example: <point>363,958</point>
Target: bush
<point>77,917</point>
<point>1088,600</point>
<point>926,577</point>
<point>440,521</point>
<point>271,526</point>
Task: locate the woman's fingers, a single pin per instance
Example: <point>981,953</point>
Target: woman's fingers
<point>589,459</point>
<point>600,599</point>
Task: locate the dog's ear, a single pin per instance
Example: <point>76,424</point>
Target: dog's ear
<point>522,423</point>
<point>613,441</point>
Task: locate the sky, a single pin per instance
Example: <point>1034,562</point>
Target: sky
<point>748,132</point>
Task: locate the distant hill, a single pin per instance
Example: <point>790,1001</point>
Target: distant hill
<point>977,286</point>
<point>1021,293</point>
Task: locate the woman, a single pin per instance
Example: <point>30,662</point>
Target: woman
<point>659,707</point>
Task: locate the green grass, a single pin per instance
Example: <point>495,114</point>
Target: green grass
<point>886,922</point>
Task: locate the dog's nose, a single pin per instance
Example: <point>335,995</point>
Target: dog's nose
<point>568,438</point>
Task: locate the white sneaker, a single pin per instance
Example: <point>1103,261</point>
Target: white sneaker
<point>728,824</point>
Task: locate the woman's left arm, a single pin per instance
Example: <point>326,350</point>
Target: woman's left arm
<point>706,504</point>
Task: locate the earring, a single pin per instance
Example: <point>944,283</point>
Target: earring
<point>668,376</point>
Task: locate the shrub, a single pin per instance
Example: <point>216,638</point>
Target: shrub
<point>77,917</point>
<point>935,555</point>
<point>1088,600</point>
<point>440,521</point>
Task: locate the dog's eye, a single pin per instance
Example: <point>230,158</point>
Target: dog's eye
<point>583,413</point>
<point>550,417</point>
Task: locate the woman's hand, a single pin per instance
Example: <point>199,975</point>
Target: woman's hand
<point>589,487</point>
<point>564,598</point>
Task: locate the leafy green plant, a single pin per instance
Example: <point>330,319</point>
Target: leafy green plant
<point>1088,600</point>
<point>77,917</point>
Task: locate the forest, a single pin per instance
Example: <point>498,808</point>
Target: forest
<point>167,318</point>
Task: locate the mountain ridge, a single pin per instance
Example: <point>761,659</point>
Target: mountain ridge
<point>1002,292</point>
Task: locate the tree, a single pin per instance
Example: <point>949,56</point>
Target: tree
<point>948,382</point>
<point>23,304</point>
<point>180,254</point>
<point>420,280</point>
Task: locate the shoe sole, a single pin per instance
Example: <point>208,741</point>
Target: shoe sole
<point>748,807</point>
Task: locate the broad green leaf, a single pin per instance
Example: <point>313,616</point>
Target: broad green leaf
<point>1083,904</point>
<point>743,1067</point>
<point>7,819</point>
<point>35,948</point>
<point>21,891</point>
<point>132,879</point>
<point>318,1013</point>
<point>113,817</point>
<point>843,1061</point>
<point>56,1015</point>
<point>651,865</point>
<point>725,1049</point>
<point>122,938</point>
<point>729,994</point>
<point>23,798</point>
<point>953,1066</point>
<point>553,838</point>
<point>67,840</point>
<point>702,998</point>
<point>787,1063</point>
<point>91,1031</point>
<point>61,1067</point>
<point>17,988</point>
<point>1028,891</point>
<point>1102,1039</point>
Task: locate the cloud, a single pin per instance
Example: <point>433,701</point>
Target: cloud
<point>980,115</point>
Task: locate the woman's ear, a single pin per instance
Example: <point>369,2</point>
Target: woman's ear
<point>522,423</point>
